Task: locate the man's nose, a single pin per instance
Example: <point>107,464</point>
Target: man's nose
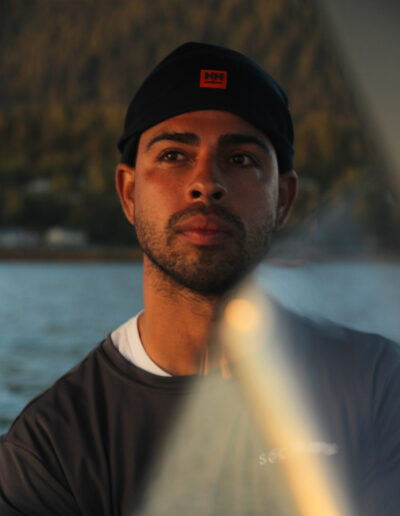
<point>207,183</point>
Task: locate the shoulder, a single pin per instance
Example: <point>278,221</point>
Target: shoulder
<point>72,433</point>
<point>61,404</point>
<point>356,372</point>
<point>335,343</point>
<point>36,453</point>
<point>80,396</point>
<point>103,395</point>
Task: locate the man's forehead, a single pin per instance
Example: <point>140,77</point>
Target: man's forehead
<point>193,127</point>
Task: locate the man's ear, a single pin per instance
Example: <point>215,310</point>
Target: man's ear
<point>287,195</point>
<point>125,183</point>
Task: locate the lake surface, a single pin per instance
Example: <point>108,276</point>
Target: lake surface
<point>52,314</point>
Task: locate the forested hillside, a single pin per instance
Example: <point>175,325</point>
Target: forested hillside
<point>70,67</point>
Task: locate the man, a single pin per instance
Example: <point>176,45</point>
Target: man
<point>206,177</point>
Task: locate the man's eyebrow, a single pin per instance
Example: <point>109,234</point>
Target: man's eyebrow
<point>239,138</point>
<point>188,138</point>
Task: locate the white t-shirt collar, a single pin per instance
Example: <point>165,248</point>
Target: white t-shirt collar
<point>126,339</point>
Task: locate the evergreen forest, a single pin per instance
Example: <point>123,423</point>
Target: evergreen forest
<point>70,67</point>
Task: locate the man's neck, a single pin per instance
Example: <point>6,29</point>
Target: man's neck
<point>176,324</point>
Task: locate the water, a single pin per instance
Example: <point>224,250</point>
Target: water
<point>51,315</point>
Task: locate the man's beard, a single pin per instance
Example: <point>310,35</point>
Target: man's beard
<point>213,271</point>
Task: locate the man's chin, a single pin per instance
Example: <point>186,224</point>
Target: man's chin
<point>202,276</point>
<point>207,286</point>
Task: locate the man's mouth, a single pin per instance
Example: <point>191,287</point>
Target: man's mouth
<point>206,230</point>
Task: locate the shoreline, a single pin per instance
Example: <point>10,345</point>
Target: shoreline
<point>71,254</point>
<point>134,254</point>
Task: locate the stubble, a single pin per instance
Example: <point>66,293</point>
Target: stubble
<point>208,270</point>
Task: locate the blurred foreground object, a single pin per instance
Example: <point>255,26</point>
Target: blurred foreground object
<point>271,383</point>
<point>250,444</point>
<point>367,34</point>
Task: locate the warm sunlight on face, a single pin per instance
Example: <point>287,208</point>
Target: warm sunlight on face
<point>206,198</point>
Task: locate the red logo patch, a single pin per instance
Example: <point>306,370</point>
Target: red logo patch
<point>213,79</point>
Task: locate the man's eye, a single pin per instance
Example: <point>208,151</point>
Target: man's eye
<point>242,160</point>
<point>171,156</point>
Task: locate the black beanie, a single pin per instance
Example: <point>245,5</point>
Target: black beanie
<point>198,76</point>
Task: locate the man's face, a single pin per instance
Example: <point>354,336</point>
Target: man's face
<point>206,198</point>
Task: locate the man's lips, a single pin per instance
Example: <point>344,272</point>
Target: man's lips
<point>206,223</point>
<point>205,229</point>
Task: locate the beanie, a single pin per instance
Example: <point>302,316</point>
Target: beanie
<point>199,76</point>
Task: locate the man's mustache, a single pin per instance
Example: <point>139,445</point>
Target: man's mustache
<point>202,209</point>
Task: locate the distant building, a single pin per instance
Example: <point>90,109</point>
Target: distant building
<point>19,237</point>
<point>63,237</point>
